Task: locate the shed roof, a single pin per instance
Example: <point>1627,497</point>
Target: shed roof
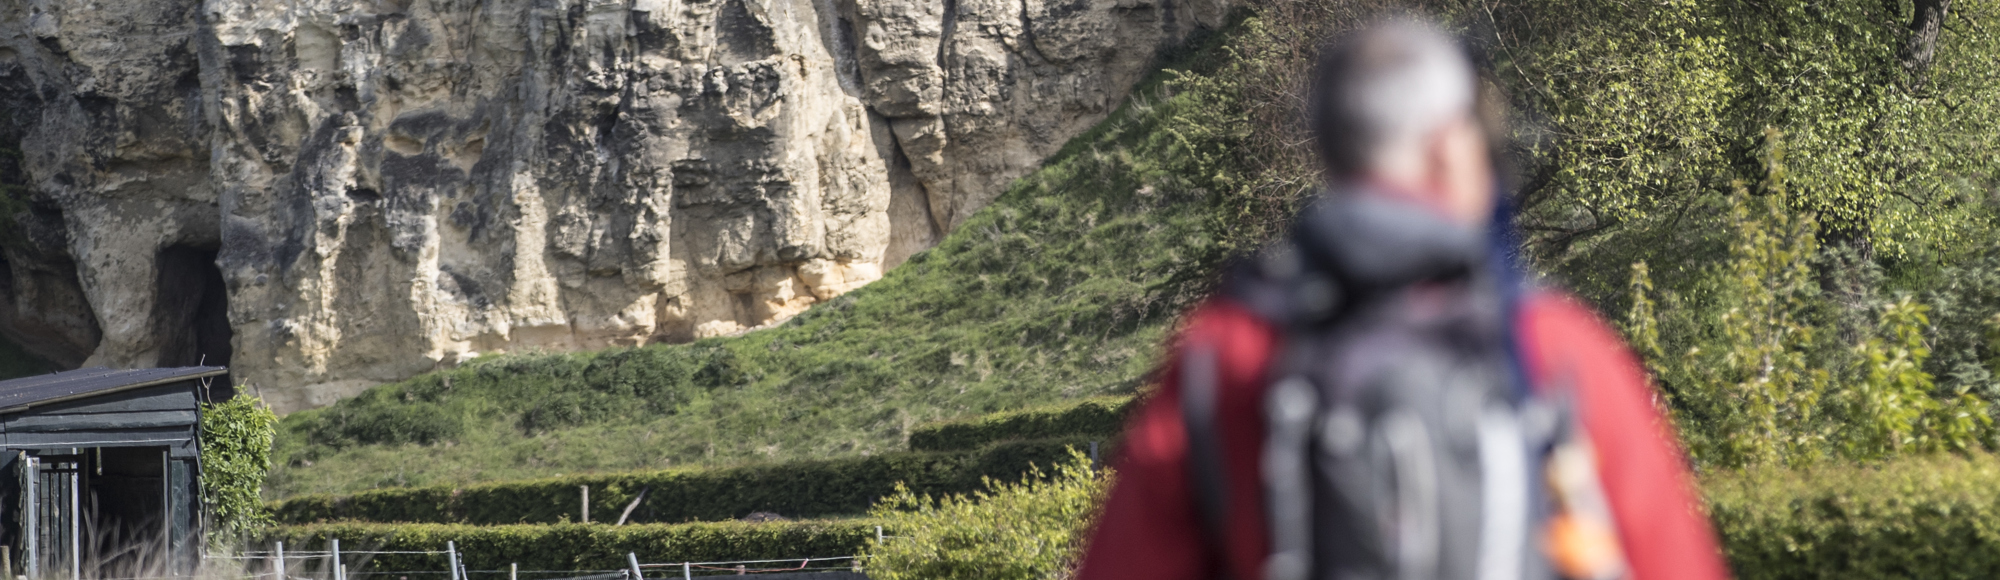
<point>22,393</point>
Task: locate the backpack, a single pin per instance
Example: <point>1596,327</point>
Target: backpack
<point>1402,440</point>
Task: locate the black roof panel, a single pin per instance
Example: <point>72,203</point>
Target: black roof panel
<point>21,393</point>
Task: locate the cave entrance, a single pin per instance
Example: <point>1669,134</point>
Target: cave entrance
<point>193,313</point>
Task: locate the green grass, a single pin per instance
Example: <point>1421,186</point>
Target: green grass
<point>1100,419</point>
<point>1063,288</point>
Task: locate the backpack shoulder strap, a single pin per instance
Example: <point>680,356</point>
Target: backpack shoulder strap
<point>1200,376</point>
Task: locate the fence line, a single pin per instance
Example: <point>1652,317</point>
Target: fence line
<point>457,570</point>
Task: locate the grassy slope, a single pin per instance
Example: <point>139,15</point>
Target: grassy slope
<point>1063,288</point>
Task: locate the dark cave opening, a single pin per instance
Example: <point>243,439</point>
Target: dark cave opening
<point>193,313</point>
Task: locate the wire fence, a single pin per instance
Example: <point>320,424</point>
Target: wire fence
<point>280,564</point>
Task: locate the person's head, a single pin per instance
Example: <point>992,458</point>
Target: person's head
<point>1396,105</point>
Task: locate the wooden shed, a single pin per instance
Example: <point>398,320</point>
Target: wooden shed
<point>106,471</point>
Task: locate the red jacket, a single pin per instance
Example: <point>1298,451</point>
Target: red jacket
<point>1149,528</point>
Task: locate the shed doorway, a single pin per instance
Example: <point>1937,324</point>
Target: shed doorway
<point>104,512</point>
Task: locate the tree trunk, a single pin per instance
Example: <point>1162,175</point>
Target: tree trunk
<point>1926,23</point>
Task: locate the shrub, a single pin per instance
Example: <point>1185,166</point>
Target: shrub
<point>579,546</point>
<point>1101,418</point>
<point>1760,366</point>
<point>795,489</point>
<point>1008,531</point>
<point>1743,363</point>
<point>1965,323</point>
<point>1919,517</point>
<point>235,455</point>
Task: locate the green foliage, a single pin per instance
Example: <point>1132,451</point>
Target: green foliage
<point>1062,289</point>
<point>1635,96</point>
<point>1965,315</point>
<point>1628,119</point>
<point>580,546</point>
<point>1010,531</point>
<point>1894,405</point>
<point>235,456</point>
<point>804,488</point>
<point>1100,417</point>
<point>1638,110</point>
<point>1775,322</point>
<point>1755,376</point>
<point>1918,517</point>
<point>1747,386</point>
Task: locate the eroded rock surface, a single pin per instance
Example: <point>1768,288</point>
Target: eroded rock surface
<point>330,194</point>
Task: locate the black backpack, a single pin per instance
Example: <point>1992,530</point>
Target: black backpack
<point>1402,440</point>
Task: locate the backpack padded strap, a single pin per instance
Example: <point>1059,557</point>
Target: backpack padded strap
<point>1199,384</point>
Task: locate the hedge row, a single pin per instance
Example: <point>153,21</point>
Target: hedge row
<point>1928,518</point>
<point>793,489</point>
<point>1100,418</point>
<point>570,546</point>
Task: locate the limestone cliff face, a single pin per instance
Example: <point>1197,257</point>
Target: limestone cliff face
<point>329,194</point>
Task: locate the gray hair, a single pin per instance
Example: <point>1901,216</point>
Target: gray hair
<point>1379,90</point>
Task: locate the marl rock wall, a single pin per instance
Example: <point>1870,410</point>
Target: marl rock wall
<point>331,194</point>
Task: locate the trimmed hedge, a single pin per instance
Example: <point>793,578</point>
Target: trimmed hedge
<point>1100,418</point>
<point>1930,518</point>
<point>793,489</point>
<point>575,546</point>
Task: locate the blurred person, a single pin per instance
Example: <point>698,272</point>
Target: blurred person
<point>1380,395</point>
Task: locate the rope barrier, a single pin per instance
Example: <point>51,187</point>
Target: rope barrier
<point>829,558</point>
<point>802,566</point>
<point>289,554</point>
<point>541,571</point>
<point>618,574</point>
<point>706,571</point>
<point>492,571</point>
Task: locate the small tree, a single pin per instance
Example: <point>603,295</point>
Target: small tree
<point>1755,377</point>
<point>1892,405</point>
<point>236,438</point>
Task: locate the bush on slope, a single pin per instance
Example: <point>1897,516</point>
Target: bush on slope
<point>1007,531</point>
<point>1062,289</point>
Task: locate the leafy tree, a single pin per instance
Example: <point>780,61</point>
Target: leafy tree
<point>1745,373</point>
<point>1755,376</point>
<point>1635,111</point>
<point>236,438</point>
